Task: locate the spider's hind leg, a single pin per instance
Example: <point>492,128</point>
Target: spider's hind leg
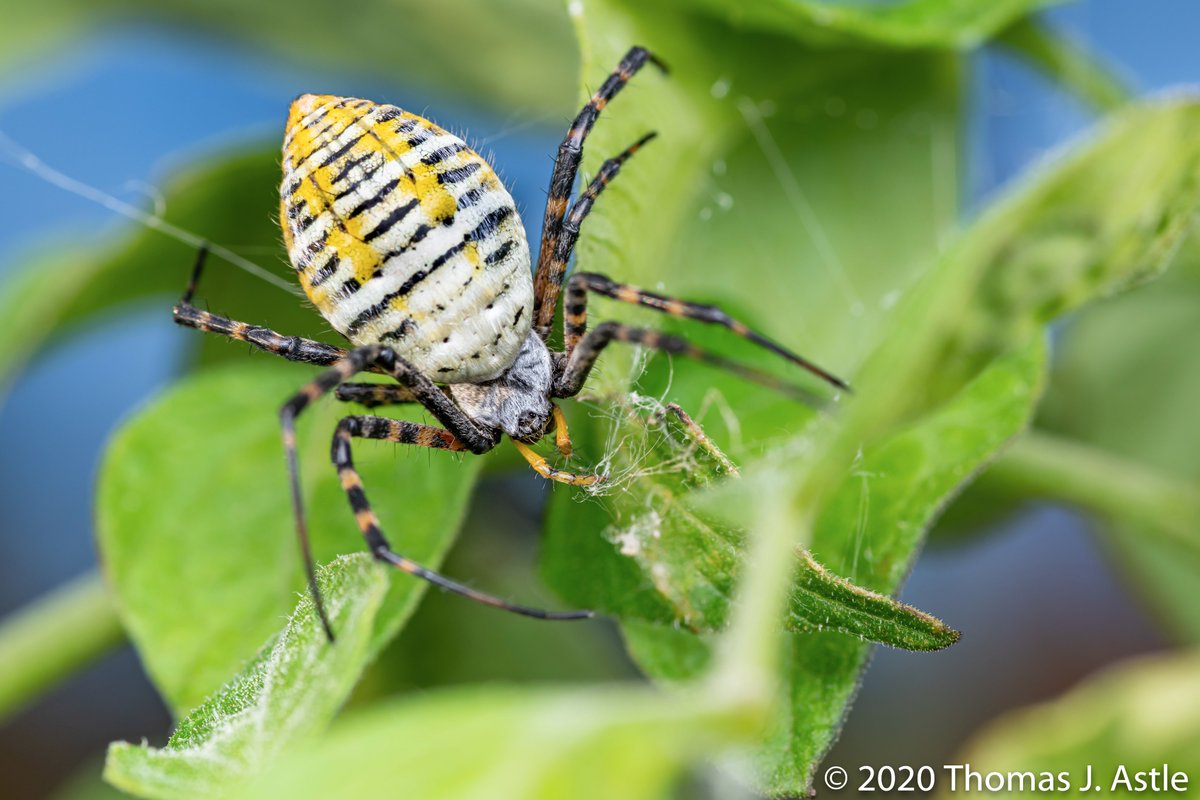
<point>293,348</point>
<point>403,432</point>
<point>550,275</point>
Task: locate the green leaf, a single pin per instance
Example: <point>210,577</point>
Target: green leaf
<point>953,360</point>
<point>784,181</point>
<point>602,742</point>
<point>825,602</point>
<point>1131,718</point>
<point>195,524</point>
<point>1132,187</point>
<point>1123,387</point>
<point>1101,219</point>
<point>290,690</point>
<point>647,565</point>
<point>869,531</point>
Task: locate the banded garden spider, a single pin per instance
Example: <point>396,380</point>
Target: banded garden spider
<point>406,241</point>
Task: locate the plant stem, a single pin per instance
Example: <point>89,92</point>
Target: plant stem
<point>1051,467</point>
<point>53,637</point>
<point>747,665</point>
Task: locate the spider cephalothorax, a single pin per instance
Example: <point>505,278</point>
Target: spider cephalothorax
<point>409,245</point>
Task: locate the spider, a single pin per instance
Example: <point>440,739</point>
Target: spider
<point>409,245</point>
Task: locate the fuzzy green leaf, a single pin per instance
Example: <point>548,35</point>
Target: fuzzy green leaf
<point>959,369</point>
<point>195,524</point>
<point>869,530</point>
<point>289,691</point>
<point>1134,186</point>
<point>1101,219</point>
<point>663,559</point>
<point>586,744</point>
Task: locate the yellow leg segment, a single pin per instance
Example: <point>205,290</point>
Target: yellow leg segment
<point>562,439</point>
<point>543,468</point>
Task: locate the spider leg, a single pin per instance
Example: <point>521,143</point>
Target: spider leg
<point>575,317</point>
<point>293,348</point>
<point>565,244</point>
<point>548,277</point>
<point>584,356</point>
<point>543,468</point>
<point>562,437</point>
<point>424,390</point>
<point>391,430</point>
<point>372,395</point>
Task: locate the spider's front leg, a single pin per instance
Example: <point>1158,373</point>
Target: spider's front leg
<point>583,347</point>
<point>557,237</point>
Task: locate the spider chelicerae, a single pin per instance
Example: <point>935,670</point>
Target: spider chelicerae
<point>407,242</point>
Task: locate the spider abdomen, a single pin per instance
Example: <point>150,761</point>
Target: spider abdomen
<point>402,235</point>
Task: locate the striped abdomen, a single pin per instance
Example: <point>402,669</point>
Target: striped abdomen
<point>402,235</point>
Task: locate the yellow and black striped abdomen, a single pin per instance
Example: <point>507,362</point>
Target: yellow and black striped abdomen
<point>404,236</point>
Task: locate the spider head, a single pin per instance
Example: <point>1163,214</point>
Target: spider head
<point>531,425</point>
<point>517,402</point>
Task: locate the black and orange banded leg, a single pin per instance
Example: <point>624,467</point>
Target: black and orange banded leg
<point>425,392</point>
<point>571,226</point>
<point>391,430</point>
<point>293,348</point>
<point>579,364</point>
<point>575,317</point>
<point>548,277</point>
<point>373,395</point>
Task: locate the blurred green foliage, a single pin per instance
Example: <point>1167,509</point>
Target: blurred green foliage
<point>1137,717</point>
<point>450,44</point>
<point>180,535</point>
<point>1133,358</point>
